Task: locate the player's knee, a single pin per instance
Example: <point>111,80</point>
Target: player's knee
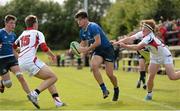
<point>7,83</point>
<point>54,77</point>
<point>19,75</point>
<point>94,66</point>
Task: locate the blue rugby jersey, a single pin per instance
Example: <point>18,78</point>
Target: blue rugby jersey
<point>91,31</point>
<point>6,43</point>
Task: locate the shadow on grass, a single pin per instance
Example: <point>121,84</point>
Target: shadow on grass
<point>8,102</point>
<point>105,105</point>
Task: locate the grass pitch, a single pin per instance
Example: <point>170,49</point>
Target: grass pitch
<point>79,90</point>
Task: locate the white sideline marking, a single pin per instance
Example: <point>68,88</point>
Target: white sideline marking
<point>149,102</point>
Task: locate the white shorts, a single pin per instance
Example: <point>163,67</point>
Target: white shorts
<point>161,60</point>
<point>32,67</point>
<point>163,56</point>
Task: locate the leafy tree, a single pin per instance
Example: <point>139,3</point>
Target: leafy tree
<point>56,21</point>
<point>169,9</point>
<point>124,15</point>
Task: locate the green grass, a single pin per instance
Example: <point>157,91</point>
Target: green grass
<point>79,90</point>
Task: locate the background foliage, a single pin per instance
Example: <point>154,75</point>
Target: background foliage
<point>124,15</point>
<point>57,20</point>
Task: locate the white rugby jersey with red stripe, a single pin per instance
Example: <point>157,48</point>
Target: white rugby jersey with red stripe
<point>154,45</point>
<point>28,43</point>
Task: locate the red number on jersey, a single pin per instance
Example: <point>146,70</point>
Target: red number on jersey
<point>25,40</point>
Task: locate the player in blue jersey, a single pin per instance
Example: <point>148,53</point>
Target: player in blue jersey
<point>8,61</point>
<point>94,39</point>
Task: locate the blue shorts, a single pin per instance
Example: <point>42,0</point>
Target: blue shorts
<point>107,53</point>
<point>7,63</point>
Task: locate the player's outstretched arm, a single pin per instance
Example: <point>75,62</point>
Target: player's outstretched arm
<point>127,40</point>
<point>133,46</point>
<point>48,51</point>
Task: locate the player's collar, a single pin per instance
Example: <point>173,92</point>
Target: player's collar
<point>86,27</point>
<point>29,28</point>
<point>7,31</point>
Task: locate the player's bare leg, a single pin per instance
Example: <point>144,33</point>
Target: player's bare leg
<point>109,72</point>
<point>18,74</point>
<point>53,91</point>
<point>171,73</point>
<point>96,61</point>
<point>49,79</point>
<point>152,69</point>
<point>5,82</point>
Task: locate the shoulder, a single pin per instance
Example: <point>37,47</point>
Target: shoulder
<point>93,24</point>
<point>149,38</point>
<point>1,31</point>
<point>138,35</point>
<point>40,33</point>
<point>94,27</point>
<point>150,35</point>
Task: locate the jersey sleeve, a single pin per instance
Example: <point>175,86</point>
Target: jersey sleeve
<point>95,30</point>
<point>147,39</point>
<point>41,38</point>
<point>138,35</point>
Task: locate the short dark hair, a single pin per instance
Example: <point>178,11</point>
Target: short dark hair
<point>81,13</point>
<point>30,20</point>
<point>9,17</point>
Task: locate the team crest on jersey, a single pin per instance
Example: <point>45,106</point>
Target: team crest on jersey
<point>84,35</point>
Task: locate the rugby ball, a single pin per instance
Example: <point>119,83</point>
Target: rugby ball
<point>74,46</point>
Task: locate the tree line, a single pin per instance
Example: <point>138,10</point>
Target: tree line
<point>57,20</point>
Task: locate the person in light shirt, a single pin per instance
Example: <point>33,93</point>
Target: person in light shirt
<point>159,53</point>
<point>28,43</point>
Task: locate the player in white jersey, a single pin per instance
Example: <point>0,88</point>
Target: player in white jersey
<point>28,43</point>
<point>159,53</point>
